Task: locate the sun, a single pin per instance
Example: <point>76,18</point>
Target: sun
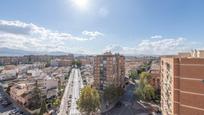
<point>81,4</point>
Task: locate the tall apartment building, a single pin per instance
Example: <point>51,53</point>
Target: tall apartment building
<point>155,75</point>
<point>109,69</point>
<point>182,84</point>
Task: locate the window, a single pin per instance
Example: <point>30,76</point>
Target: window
<point>104,62</point>
<point>168,66</point>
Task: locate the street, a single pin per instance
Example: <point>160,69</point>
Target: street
<point>71,94</point>
<point>77,85</point>
<point>5,111</point>
<point>64,102</point>
<point>129,105</point>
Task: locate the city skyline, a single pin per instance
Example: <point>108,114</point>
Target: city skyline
<point>130,27</point>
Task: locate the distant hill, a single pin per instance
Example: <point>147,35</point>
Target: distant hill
<point>16,52</point>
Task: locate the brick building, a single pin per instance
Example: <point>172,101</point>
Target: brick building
<point>109,69</point>
<point>155,75</point>
<point>182,84</point>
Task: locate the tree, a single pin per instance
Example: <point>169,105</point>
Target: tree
<point>144,78</point>
<point>56,102</point>
<point>43,108</point>
<point>145,91</point>
<point>133,74</point>
<point>89,100</point>
<point>149,92</point>
<point>35,100</point>
<point>111,93</point>
<point>77,63</point>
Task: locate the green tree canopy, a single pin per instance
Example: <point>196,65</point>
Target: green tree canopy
<point>36,100</point>
<point>112,93</point>
<point>43,108</point>
<point>56,102</point>
<point>149,92</point>
<point>133,74</point>
<point>144,78</point>
<point>77,63</point>
<point>145,91</point>
<point>89,100</point>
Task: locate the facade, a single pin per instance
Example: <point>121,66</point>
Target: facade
<point>182,85</point>
<point>155,75</point>
<point>8,73</point>
<point>48,86</point>
<point>21,93</point>
<point>109,69</point>
<point>86,60</point>
<point>61,62</point>
<point>132,65</point>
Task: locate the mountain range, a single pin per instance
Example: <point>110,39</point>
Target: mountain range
<point>17,52</point>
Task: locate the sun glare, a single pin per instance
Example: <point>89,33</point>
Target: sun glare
<point>81,4</point>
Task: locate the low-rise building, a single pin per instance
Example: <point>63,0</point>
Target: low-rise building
<point>21,93</point>
<point>8,73</point>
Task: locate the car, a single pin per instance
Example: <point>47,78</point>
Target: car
<point>13,112</point>
<point>1,100</point>
<point>118,104</point>
<point>69,102</point>
<point>19,113</point>
<point>16,111</point>
<point>6,103</point>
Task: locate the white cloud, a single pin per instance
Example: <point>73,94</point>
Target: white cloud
<point>154,47</point>
<point>113,48</point>
<point>92,35</point>
<point>27,36</point>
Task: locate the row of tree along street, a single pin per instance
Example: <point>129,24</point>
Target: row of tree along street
<point>91,100</point>
<point>145,91</point>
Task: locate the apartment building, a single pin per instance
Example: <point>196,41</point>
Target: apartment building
<point>109,69</point>
<point>132,65</point>
<point>155,75</point>
<point>182,84</point>
<point>7,60</point>
<point>86,60</point>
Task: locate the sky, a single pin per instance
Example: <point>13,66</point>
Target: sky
<point>130,27</point>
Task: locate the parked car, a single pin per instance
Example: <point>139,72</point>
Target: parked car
<point>118,104</point>
<point>13,112</point>
<point>6,103</point>
<point>1,99</point>
<point>16,111</point>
